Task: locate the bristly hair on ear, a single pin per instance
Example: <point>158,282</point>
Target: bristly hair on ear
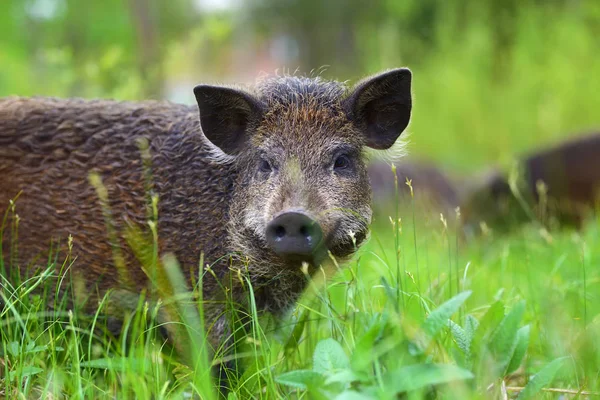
<point>392,155</point>
<point>215,155</point>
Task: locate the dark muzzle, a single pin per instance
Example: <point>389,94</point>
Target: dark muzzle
<point>294,236</point>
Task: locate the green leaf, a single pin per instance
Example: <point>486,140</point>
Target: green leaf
<point>389,291</point>
<point>487,324</point>
<point>415,377</point>
<point>520,349</point>
<point>329,356</point>
<point>440,316</point>
<point>39,349</point>
<point>471,325</point>
<point>301,379</point>
<point>101,363</point>
<point>541,379</point>
<point>461,338</point>
<point>504,340</point>
<point>183,373</point>
<point>462,354</point>
<point>120,364</point>
<point>344,376</point>
<point>296,333</point>
<point>464,337</point>
<point>25,372</point>
<point>13,348</point>
<point>363,354</point>
<point>352,395</point>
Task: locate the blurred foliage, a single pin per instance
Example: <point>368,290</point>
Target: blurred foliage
<point>92,48</point>
<point>492,79</point>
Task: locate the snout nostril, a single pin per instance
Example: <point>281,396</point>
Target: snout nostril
<point>279,232</point>
<point>304,231</point>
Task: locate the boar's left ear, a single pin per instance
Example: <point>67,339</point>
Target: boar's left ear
<point>381,106</point>
<point>226,114</point>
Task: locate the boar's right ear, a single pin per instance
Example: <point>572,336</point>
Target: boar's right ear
<point>225,116</point>
<point>380,107</point>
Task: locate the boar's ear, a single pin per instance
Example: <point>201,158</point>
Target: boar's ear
<point>380,107</point>
<point>225,116</point>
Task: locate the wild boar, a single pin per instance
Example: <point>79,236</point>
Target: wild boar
<point>265,182</point>
<point>557,186</point>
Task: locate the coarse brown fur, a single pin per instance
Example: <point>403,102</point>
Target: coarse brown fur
<point>214,196</point>
<point>557,185</point>
<point>49,146</point>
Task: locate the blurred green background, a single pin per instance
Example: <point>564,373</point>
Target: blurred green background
<point>492,79</point>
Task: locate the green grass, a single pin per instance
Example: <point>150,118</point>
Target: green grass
<point>417,312</point>
<point>418,308</point>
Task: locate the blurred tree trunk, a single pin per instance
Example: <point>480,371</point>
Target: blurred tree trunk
<point>144,20</point>
<point>75,38</point>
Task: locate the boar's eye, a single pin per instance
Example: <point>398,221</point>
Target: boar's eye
<point>341,163</point>
<point>265,166</point>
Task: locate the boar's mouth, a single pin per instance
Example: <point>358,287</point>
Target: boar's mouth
<point>314,260</point>
<point>346,248</point>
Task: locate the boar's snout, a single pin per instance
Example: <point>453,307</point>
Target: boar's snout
<point>294,236</point>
